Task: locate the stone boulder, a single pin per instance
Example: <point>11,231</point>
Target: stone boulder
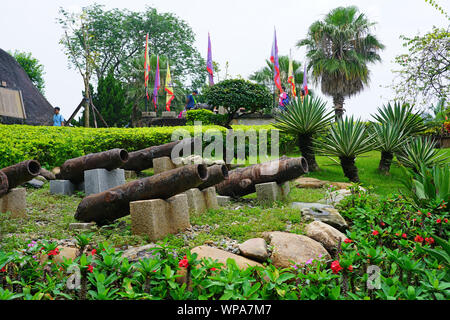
<point>134,254</point>
<point>328,236</point>
<point>222,256</point>
<point>255,249</point>
<point>321,212</point>
<point>290,248</point>
<point>64,252</point>
<point>309,183</point>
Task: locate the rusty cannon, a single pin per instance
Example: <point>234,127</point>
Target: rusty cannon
<point>143,159</point>
<point>19,173</point>
<point>73,169</point>
<point>114,203</point>
<point>4,185</point>
<point>216,174</point>
<point>242,181</point>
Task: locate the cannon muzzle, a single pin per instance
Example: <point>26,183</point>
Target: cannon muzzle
<point>21,172</point>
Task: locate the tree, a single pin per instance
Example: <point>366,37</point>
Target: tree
<point>424,74</point>
<point>339,49</point>
<point>238,95</point>
<point>306,119</point>
<point>119,37</point>
<point>33,68</point>
<point>110,101</point>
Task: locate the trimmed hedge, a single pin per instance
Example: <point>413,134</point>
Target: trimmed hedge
<point>51,146</point>
<point>207,117</point>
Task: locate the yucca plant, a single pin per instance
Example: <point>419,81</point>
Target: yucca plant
<point>388,139</point>
<point>401,115</point>
<point>347,139</point>
<point>306,120</point>
<point>418,151</point>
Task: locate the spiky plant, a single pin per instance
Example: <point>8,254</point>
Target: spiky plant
<point>401,115</point>
<point>305,119</point>
<point>421,151</point>
<point>347,139</point>
<point>388,139</point>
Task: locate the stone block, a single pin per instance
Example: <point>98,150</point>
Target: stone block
<point>15,201</point>
<point>82,226</point>
<point>151,114</point>
<point>178,215</point>
<point>168,114</point>
<point>196,201</point>
<point>162,164</point>
<point>62,187</point>
<point>151,218</point>
<point>223,200</point>
<point>285,188</point>
<point>129,174</point>
<point>268,192</point>
<point>99,180</point>
<point>210,198</point>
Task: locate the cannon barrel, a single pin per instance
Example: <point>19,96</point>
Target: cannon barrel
<point>4,185</point>
<point>143,159</point>
<point>242,181</point>
<point>216,174</point>
<point>21,172</point>
<point>114,203</point>
<point>73,169</point>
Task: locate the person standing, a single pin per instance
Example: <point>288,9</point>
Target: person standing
<point>58,119</point>
<point>283,100</point>
<point>191,101</point>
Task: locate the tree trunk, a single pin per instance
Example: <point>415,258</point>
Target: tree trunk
<point>349,168</point>
<point>86,104</point>
<point>385,162</point>
<point>305,143</point>
<point>338,101</point>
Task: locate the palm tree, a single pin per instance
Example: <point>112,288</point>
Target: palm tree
<point>305,119</point>
<point>339,49</point>
<point>347,139</point>
<point>389,138</point>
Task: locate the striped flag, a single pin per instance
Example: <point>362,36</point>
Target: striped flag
<point>209,63</point>
<point>291,78</point>
<point>305,83</point>
<point>274,60</point>
<point>169,88</point>
<point>146,67</point>
<point>157,84</point>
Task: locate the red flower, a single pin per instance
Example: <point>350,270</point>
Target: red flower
<point>418,238</point>
<point>429,214</point>
<point>336,267</point>
<point>213,269</point>
<point>404,235</point>
<point>347,240</point>
<point>419,212</point>
<point>183,263</point>
<point>94,252</point>
<point>383,224</point>
<point>357,253</point>
<point>90,268</point>
<point>445,220</point>
<point>429,240</point>
<point>350,268</point>
<point>375,232</point>
<point>397,234</point>
<point>3,269</point>
<point>54,252</point>
<point>438,221</point>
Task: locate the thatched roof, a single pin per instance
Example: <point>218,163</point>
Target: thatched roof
<point>38,110</point>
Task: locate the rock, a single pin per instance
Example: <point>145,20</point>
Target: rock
<point>15,201</point>
<point>64,252</point>
<point>310,183</point>
<point>222,256</point>
<point>336,196</point>
<point>309,205</point>
<point>35,183</point>
<point>341,185</point>
<point>133,254</point>
<point>328,236</point>
<point>56,171</point>
<point>82,226</point>
<point>327,215</point>
<point>47,174</point>
<point>290,248</point>
<point>255,249</point>
<point>41,178</point>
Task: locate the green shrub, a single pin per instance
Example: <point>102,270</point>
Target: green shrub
<point>51,146</point>
<point>207,117</point>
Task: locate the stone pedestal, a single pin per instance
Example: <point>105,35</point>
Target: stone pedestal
<point>271,191</point>
<point>64,187</point>
<point>210,198</point>
<point>223,200</point>
<point>196,201</point>
<point>168,114</point>
<point>157,218</point>
<point>129,174</point>
<point>162,164</point>
<point>14,201</point>
<point>99,180</point>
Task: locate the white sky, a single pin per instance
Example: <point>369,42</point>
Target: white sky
<point>241,33</point>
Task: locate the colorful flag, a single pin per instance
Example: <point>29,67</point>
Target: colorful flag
<point>291,78</point>
<point>146,67</point>
<point>157,84</point>
<point>305,84</point>
<point>209,63</point>
<point>274,60</point>
<point>169,88</point>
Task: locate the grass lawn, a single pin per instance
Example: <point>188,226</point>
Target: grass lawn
<point>49,215</point>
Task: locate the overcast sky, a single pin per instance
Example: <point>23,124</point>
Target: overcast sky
<point>241,33</point>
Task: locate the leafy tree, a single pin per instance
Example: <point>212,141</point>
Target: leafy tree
<point>238,95</point>
<point>110,101</point>
<point>306,119</point>
<point>424,73</point>
<point>339,49</point>
<point>33,68</point>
